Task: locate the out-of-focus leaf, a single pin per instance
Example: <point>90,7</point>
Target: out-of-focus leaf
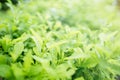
<point>78,54</point>
<point>18,49</point>
<point>56,44</point>
<point>4,59</point>
<point>37,39</point>
<point>27,61</point>
<point>5,71</point>
<point>17,72</point>
<point>6,43</point>
<point>81,78</point>
<point>44,62</point>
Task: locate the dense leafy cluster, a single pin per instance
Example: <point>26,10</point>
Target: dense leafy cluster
<point>60,40</point>
<point>4,5</point>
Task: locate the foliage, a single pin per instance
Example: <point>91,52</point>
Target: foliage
<point>60,40</point>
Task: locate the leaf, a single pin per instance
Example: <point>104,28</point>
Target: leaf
<point>3,26</point>
<point>72,33</point>
<point>35,70</point>
<point>64,71</point>
<point>37,39</point>
<point>35,50</point>
<point>5,71</point>
<point>56,44</point>
<point>114,66</point>
<point>27,61</point>
<point>44,62</point>
<point>6,43</point>
<point>18,49</point>
<point>17,72</point>
<point>80,78</point>
<point>78,54</point>
<point>22,38</point>
<point>3,59</point>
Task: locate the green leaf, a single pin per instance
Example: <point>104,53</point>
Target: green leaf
<point>81,78</point>
<point>44,62</point>
<point>35,70</point>
<point>37,39</point>
<point>6,43</point>
<point>5,71</point>
<point>17,72</point>
<point>64,71</point>
<point>22,38</point>
<point>18,49</point>
<point>114,66</point>
<point>27,61</point>
<point>56,44</point>
<point>78,54</point>
<point>3,59</point>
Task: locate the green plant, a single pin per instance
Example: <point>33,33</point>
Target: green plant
<point>59,40</point>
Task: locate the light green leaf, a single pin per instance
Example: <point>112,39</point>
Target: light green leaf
<point>27,61</point>
<point>80,78</point>
<point>18,49</point>
<point>37,39</point>
<point>5,71</point>
<point>6,43</point>
<point>3,59</point>
<point>56,44</point>
<point>44,62</point>
<point>17,72</point>
<point>78,54</point>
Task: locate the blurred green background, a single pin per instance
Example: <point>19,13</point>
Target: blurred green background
<point>60,40</point>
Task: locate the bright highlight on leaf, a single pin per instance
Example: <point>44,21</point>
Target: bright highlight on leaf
<point>17,50</point>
